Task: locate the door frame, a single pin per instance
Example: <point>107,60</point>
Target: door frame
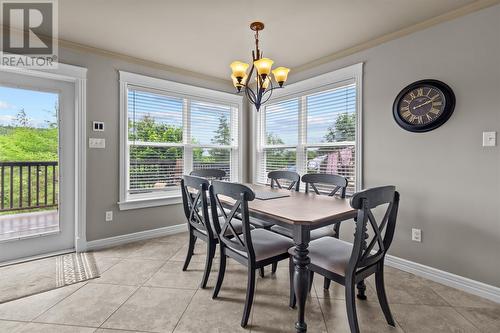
<point>78,76</point>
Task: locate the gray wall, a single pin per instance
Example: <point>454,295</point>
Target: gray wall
<point>103,164</point>
<point>449,183</point>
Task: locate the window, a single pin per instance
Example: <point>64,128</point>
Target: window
<point>171,129</point>
<point>313,127</point>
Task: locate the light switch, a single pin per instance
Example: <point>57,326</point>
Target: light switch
<point>97,143</point>
<point>489,139</point>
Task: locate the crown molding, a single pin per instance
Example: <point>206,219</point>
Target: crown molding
<point>140,61</point>
<point>459,12</point>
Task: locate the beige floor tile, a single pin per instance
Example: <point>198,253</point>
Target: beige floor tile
<point>109,330</point>
<point>28,308</point>
<point>272,314</point>
<point>406,288</point>
<point>132,272</point>
<point>182,237</point>
<point>171,275</point>
<point>276,284</point>
<point>51,328</point>
<point>430,319</point>
<point>104,263</point>
<point>234,285</point>
<point>120,251</point>
<point>199,255</point>
<point>486,319</point>
<point>370,317</point>
<point>11,326</point>
<point>90,305</point>
<point>151,309</point>
<point>337,291</point>
<point>457,297</point>
<point>156,250</point>
<point>26,278</point>
<point>206,315</point>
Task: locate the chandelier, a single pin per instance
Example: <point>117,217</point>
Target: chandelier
<point>263,86</point>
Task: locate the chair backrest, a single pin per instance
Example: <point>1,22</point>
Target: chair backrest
<point>313,180</point>
<point>224,225</point>
<point>278,175</point>
<point>370,249</point>
<point>194,199</point>
<point>209,173</point>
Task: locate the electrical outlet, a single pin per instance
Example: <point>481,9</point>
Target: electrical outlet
<point>416,235</point>
<point>109,216</point>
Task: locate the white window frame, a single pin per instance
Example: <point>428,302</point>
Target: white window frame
<point>324,82</point>
<point>175,89</point>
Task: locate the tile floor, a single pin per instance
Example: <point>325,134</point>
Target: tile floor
<point>143,289</point>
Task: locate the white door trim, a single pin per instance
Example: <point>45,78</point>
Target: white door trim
<point>78,76</point>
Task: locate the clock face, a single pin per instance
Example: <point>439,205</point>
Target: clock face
<point>424,105</point>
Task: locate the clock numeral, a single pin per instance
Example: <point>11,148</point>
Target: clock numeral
<point>405,108</point>
<point>429,118</point>
<point>437,103</point>
<point>407,102</point>
<point>412,95</point>
<point>420,92</point>
<point>435,111</point>
<point>406,114</point>
<point>412,118</point>
<point>420,120</point>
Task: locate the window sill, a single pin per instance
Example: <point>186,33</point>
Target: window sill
<point>150,202</point>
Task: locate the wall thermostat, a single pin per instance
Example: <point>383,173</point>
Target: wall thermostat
<point>98,126</point>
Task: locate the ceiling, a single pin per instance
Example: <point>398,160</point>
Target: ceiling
<point>206,36</point>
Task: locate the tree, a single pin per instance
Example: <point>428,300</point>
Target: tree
<point>222,137</point>
<point>223,132</point>
<point>274,139</point>
<point>22,119</point>
<point>343,129</point>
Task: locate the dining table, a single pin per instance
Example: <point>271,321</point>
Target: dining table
<point>301,212</point>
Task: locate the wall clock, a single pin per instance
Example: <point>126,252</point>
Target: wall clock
<point>423,105</point>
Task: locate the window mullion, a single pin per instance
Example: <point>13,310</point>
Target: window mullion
<point>186,136</point>
<point>301,147</point>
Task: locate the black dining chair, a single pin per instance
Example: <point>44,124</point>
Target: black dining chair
<point>200,226</point>
<point>318,183</point>
<point>347,263</point>
<point>217,174</point>
<point>254,248</point>
<point>290,176</point>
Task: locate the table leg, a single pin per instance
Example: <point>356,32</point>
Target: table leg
<point>301,276</point>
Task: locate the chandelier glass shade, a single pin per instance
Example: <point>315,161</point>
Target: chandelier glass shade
<point>262,86</point>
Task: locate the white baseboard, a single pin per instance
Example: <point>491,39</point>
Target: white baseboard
<point>136,236</point>
<point>449,279</point>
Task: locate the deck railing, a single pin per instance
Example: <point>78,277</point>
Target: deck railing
<point>28,185</point>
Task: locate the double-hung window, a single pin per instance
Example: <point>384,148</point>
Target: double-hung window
<point>313,126</point>
<point>169,129</point>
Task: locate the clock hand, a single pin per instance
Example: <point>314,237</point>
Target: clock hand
<point>425,103</point>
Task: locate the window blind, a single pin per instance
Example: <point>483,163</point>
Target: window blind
<point>170,135</point>
<point>310,133</point>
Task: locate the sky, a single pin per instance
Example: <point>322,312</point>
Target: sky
<point>322,112</point>
<point>39,106</point>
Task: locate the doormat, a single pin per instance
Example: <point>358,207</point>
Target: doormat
<point>37,276</point>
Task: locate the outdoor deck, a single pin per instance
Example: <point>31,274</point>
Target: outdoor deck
<point>22,225</point>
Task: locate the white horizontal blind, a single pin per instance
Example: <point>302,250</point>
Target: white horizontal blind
<point>213,129</point>
<point>170,135</point>
<point>331,132</point>
<point>311,133</point>
<point>280,137</point>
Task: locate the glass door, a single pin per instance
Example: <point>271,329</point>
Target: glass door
<point>36,166</point>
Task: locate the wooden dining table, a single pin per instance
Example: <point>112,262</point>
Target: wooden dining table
<point>301,212</point>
